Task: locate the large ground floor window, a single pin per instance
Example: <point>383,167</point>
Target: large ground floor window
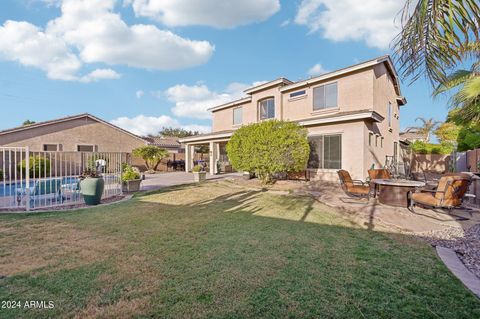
<point>325,151</point>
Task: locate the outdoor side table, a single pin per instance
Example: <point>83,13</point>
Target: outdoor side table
<point>394,192</point>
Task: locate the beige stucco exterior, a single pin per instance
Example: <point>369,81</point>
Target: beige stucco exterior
<point>83,130</point>
<point>366,88</point>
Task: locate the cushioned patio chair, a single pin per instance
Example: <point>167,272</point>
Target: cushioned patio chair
<point>381,173</point>
<point>449,193</point>
<point>351,187</point>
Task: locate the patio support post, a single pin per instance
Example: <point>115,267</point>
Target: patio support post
<point>188,158</point>
<point>27,178</point>
<point>213,158</point>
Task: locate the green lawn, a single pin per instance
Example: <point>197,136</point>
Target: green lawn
<point>220,251</point>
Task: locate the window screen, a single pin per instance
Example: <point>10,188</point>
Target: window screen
<point>325,151</point>
<point>325,96</point>
<point>237,116</point>
<point>267,109</point>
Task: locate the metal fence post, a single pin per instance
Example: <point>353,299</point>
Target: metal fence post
<point>27,178</point>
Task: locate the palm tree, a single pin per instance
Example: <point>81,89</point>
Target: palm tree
<point>465,103</point>
<point>427,127</point>
<point>436,36</point>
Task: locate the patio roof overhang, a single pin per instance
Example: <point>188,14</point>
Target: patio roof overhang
<point>204,138</point>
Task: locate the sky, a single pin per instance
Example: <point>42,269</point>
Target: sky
<point>148,64</point>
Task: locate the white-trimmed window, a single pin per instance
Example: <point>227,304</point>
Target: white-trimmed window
<point>237,115</point>
<point>325,96</point>
<point>325,151</point>
<point>85,148</point>
<point>266,109</point>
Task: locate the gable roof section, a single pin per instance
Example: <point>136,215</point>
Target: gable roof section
<point>66,119</point>
<point>359,66</point>
<point>229,104</point>
<point>277,82</point>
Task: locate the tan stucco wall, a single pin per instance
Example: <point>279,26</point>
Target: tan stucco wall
<point>355,92</point>
<point>383,92</point>
<point>352,148</point>
<point>70,134</point>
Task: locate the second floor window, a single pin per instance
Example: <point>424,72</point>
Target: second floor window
<point>389,114</point>
<point>325,96</point>
<point>267,109</point>
<point>237,116</point>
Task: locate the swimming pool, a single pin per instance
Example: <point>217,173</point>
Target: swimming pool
<point>9,189</point>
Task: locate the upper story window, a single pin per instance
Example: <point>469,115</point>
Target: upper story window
<point>267,109</point>
<point>237,116</point>
<point>389,114</point>
<point>325,96</point>
<point>298,93</point>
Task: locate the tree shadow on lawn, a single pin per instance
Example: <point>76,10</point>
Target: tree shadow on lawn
<point>216,252</point>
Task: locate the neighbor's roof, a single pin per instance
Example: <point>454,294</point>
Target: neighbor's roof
<point>164,141</point>
<point>289,85</point>
<point>66,119</point>
<point>412,134</point>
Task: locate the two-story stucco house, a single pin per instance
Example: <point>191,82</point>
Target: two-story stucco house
<point>352,117</point>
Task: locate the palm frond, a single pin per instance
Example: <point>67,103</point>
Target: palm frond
<point>435,36</point>
<point>453,80</point>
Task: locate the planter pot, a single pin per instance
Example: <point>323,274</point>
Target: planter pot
<point>131,186</point>
<point>199,176</point>
<point>247,175</point>
<point>92,189</point>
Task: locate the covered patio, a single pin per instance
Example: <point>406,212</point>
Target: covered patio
<point>217,155</point>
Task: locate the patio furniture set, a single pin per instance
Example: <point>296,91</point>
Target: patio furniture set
<point>447,192</point>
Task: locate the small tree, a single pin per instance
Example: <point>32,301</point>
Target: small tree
<point>28,122</point>
<point>447,132</point>
<point>152,155</point>
<point>268,148</point>
<point>176,132</point>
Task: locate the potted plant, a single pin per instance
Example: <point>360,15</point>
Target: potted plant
<point>199,175</point>
<point>91,187</point>
<point>130,179</point>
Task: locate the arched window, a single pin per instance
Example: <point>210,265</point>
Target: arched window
<point>266,109</point>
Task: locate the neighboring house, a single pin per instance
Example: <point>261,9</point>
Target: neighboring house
<point>170,143</point>
<point>352,117</point>
<point>78,133</point>
<point>412,135</point>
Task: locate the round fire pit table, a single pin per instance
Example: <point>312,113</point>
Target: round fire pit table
<point>394,192</point>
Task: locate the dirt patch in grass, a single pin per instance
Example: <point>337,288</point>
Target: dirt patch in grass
<point>28,245</point>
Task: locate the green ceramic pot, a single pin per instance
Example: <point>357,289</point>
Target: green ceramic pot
<point>92,189</point>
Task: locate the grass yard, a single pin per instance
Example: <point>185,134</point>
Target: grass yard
<point>220,251</point>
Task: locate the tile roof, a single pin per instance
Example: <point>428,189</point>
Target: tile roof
<point>164,141</point>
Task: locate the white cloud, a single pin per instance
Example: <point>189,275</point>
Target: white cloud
<point>139,94</point>
<point>193,101</point>
<point>100,74</point>
<point>214,13</point>
<point>317,69</point>
<point>88,31</point>
<point>25,43</point>
<point>371,21</point>
<point>144,125</point>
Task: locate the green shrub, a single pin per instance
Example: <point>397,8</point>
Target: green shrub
<point>443,148</point>
<point>269,148</point>
<point>152,155</point>
<point>38,166</point>
<point>1,175</point>
<point>197,168</point>
<point>129,173</point>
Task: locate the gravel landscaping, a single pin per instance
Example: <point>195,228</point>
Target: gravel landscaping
<point>465,243</point>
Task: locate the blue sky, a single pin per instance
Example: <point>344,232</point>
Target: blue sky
<point>144,64</point>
